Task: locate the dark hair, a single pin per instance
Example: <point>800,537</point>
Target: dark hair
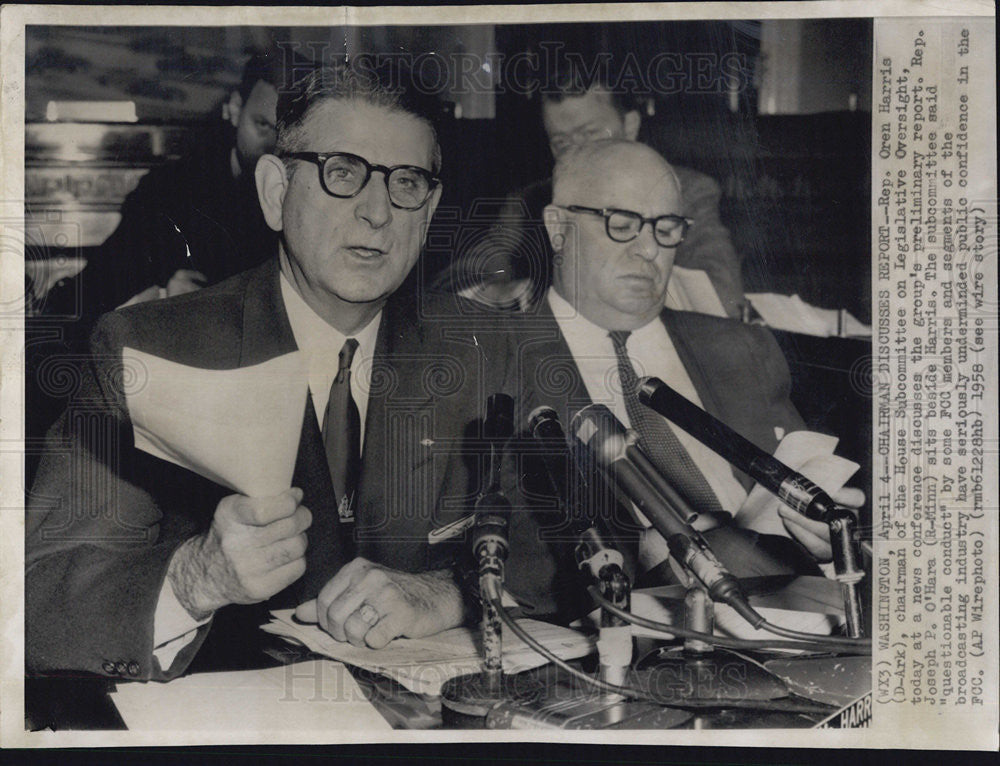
<point>353,81</point>
<point>262,66</point>
<point>567,79</point>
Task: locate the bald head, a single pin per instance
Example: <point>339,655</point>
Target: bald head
<point>613,268</point>
<point>605,163</point>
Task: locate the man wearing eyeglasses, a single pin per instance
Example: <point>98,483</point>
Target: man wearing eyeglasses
<point>133,563</point>
<point>614,225</point>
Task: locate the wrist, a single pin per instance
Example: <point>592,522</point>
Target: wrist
<point>188,573</point>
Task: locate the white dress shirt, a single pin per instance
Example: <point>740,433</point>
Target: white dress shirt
<point>651,352</point>
<point>173,627</point>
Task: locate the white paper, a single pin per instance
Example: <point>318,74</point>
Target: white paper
<point>239,428</point>
<point>318,695</point>
<point>423,664</point>
<point>792,314</point>
<point>809,453</point>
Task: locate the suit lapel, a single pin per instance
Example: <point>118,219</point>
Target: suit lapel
<point>397,495</point>
<point>545,361</point>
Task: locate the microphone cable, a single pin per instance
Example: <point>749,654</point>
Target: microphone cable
<point>804,641</point>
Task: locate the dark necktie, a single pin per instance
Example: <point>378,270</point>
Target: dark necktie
<point>342,434</point>
<point>658,438</point>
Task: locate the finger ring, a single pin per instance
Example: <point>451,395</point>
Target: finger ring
<point>369,614</point>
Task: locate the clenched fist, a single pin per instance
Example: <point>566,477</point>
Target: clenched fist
<point>255,548</point>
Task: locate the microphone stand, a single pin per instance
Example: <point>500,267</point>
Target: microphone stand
<point>790,486</point>
<point>474,695</point>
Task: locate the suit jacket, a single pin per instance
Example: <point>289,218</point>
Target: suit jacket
<point>740,375</point>
<point>517,243</point>
<point>104,518</point>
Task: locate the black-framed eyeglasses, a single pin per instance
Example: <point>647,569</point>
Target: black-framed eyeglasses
<point>625,225</point>
<point>344,175</point>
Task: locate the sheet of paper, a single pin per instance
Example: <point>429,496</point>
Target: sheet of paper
<point>809,453</point>
<point>791,313</point>
<point>424,664</point>
<point>692,290</point>
<point>318,695</point>
<point>239,428</point>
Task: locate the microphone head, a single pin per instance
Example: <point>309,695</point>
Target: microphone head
<point>498,422</point>
<point>648,386</point>
<point>598,429</point>
<point>543,422</point>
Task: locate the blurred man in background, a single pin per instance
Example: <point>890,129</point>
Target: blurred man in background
<point>196,221</point>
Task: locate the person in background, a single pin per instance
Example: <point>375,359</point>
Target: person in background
<point>513,263</point>
<point>195,221</point>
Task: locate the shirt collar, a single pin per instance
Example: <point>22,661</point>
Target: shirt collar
<point>580,331</point>
<point>313,334</point>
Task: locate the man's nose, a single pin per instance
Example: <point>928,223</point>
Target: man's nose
<point>373,202</point>
<point>645,245</point>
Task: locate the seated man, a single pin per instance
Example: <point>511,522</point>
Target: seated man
<point>132,561</point>
<point>615,226</point>
<point>513,262</point>
<point>195,221</point>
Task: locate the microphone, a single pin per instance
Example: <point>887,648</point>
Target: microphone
<point>492,508</point>
<point>620,457</point>
<point>794,489</point>
<point>593,552</point>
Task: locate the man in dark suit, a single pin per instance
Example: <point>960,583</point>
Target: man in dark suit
<point>614,226</point>
<point>131,560</point>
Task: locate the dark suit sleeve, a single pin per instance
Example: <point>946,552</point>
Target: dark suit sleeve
<point>97,548</point>
<point>707,245</point>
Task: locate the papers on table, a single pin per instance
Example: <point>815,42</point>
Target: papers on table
<point>309,696</point>
<point>809,453</point>
<point>792,314</point>
<point>240,428</point>
<point>423,664</point>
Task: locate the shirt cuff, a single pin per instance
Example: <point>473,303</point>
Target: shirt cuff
<point>173,627</point>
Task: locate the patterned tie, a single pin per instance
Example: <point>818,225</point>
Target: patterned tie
<point>342,434</point>
<point>658,438</point>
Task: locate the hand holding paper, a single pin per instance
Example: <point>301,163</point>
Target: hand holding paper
<point>812,455</point>
<point>239,428</point>
<point>254,549</point>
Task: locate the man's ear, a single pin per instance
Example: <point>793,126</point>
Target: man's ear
<point>555,226</point>
<point>272,182</point>
<point>232,108</point>
<point>632,122</point>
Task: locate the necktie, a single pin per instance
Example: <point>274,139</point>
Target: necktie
<point>658,438</point>
<point>342,434</point>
